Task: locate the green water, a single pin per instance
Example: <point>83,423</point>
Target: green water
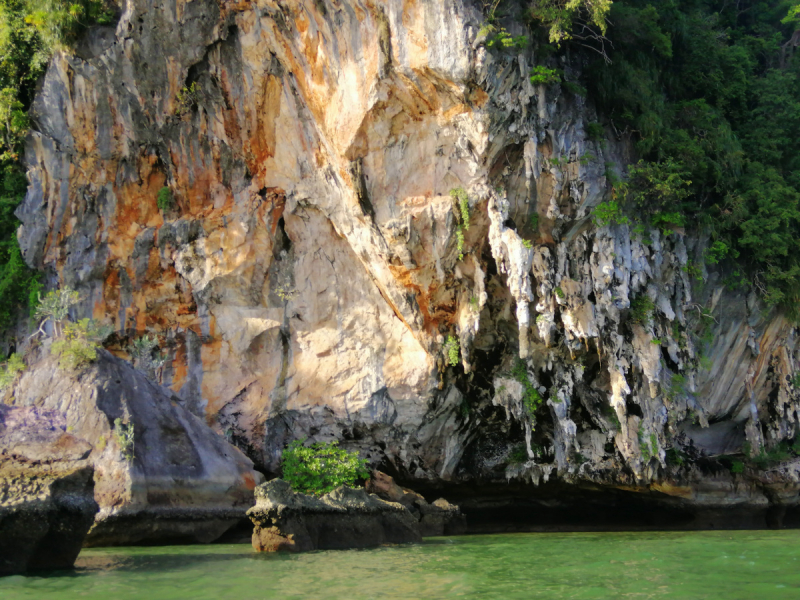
<point>727,565</point>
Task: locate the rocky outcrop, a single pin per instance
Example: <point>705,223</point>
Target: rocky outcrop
<point>177,481</point>
<point>313,265</point>
<point>436,518</point>
<point>345,518</point>
<point>46,492</point>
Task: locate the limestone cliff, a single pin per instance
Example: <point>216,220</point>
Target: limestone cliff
<point>309,273</point>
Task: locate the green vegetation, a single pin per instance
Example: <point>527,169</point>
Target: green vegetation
<point>543,76</point>
<point>531,398</point>
<point>75,344</point>
<point>675,457</point>
<point>642,308</point>
<point>528,244</point>
<point>709,92</point>
<point>188,98</point>
<point>461,210</point>
<point>14,365</point>
<point>518,455</point>
<point>30,30</point>
<point>123,433</point>
<point>165,200</point>
<point>451,350</point>
<point>321,468</point>
<point>559,292</point>
<point>609,212</point>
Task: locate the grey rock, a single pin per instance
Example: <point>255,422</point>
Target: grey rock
<point>46,492</point>
<point>345,518</point>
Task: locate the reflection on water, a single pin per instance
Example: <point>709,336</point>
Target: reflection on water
<point>708,565</point>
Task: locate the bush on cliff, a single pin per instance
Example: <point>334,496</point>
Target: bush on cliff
<point>321,468</point>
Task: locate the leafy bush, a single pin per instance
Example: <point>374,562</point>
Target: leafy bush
<point>9,372</point>
<point>609,212</point>
<point>188,97</point>
<point>710,96</point>
<point>321,468</point>
<point>541,75</point>
<point>77,346</point>
<point>595,131</point>
<point>165,200</point>
<point>123,433</point>
<point>531,397</point>
<point>451,350</point>
<point>642,308</point>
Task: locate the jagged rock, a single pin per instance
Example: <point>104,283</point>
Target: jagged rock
<point>344,518</point>
<point>438,518</point>
<point>312,269</point>
<point>184,482</point>
<point>46,492</point>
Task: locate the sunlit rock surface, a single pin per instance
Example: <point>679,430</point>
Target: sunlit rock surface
<point>308,275</point>
<point>183,483</point>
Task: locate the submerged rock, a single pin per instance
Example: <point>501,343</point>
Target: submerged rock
<point>344,518</point>
<point>46,492</point>
<point>178,481</point>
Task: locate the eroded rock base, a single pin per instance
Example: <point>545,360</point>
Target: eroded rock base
<point>46,492</point>
<point>345,518</point>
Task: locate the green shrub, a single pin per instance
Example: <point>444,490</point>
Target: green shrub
<point>543,76</point>
<point>188,97</point>
<point>518,455</point>
<point>9,372</point>
<point>534,221</point>
<point>531,397</point>
<point>165,199</point>
<point>321,468</point>
<point>78,344</point>
<point>642,308</point>
<point>460,242</point>
<point>595,132</point>
<point>123,433</point>
<point>452,350</point>
<point>527,243</point>
<point>609,212</point>
<point>459,195</point>
<point>559,292</point>
<point>737,467</point>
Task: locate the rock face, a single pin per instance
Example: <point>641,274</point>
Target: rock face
<point>184,482</point>
<point>46,492</point>
<point>313,265</point>
<point>437,518</point>
<point>344,518</point>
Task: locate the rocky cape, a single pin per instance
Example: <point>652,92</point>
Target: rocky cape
<point>178,482</point>
<point>46,491</point>
<point>285,520</point>
<point>312,265</point>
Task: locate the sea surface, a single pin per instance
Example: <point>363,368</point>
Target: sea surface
<point>746,565</point>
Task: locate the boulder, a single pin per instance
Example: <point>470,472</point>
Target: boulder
<point>344,518</point>
<point>179,482</point>
<point>438,518</point>
<point>46,491</point>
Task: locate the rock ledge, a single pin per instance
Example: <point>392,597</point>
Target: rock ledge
<point>344,518</point>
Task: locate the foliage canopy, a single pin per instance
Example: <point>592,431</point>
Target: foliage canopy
<point>321,468</point>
